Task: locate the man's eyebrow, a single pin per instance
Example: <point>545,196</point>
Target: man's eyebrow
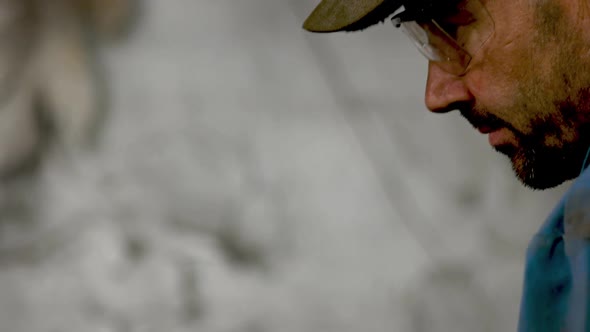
<point>458,17</point>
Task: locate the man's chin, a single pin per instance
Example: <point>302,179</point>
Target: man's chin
<point>534,170</point>
<point>535,181</point>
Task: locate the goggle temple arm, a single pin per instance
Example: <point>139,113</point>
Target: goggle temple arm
<point>452,61</point>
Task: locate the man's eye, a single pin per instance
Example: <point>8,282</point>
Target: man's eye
<point>452,24</point>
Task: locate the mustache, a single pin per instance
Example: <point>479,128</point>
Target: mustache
<point>479,117</point>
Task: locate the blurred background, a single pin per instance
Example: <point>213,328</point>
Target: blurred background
<point>190,165</point>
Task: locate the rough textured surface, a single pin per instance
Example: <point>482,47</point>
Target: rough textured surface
<point>252,177</point>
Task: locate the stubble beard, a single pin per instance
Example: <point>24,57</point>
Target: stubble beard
<point>554,148</point>
<point>549,114</point>
<point>544,167</point>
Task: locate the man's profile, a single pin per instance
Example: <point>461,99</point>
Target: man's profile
<point>518,71</point>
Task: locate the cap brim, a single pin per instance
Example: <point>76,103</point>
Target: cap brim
<point>349,15</point>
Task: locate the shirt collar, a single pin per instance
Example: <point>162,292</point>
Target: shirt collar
<point>585,163</point>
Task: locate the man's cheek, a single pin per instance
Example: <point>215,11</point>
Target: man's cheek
<point>492,84</point>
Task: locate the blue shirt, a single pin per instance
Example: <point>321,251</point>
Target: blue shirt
<point>556,294</point>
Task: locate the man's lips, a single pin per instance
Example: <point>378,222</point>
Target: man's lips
<point>496,136</point>
<point>496,129</point>
<point>485,129</point>
<point>500,136</point>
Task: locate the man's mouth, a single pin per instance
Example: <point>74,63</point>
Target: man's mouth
<point>496,129</point>
<point>485,129</point>
<point>498,137</point>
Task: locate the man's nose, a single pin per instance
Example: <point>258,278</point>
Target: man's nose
<point>444,91</point>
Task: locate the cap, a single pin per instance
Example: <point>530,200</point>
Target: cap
<point>349,15</point>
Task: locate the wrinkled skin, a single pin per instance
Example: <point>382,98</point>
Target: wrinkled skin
<point>532,79</point>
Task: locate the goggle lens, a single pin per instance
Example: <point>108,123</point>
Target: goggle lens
<point>454,39</point>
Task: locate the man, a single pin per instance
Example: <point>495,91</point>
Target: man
<point>519,71</point>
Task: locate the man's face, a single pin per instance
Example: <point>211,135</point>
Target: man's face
<point>528,88</point>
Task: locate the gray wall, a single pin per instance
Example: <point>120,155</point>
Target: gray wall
<point>253,177</point>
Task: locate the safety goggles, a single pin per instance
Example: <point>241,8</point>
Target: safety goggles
<point>449,37</point>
